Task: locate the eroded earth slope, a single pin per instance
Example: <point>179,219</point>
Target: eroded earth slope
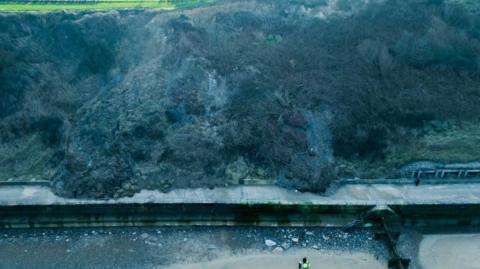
<point>295,93</point>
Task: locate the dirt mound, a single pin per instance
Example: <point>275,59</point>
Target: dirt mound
<point>294,93</point>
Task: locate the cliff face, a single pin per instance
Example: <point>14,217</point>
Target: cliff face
<point>292,93</point>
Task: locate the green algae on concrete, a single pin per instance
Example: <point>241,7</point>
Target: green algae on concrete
<point>180,214</point>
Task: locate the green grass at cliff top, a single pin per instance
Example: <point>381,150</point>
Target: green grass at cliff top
<point>445,142</point>
<point>36,5</point>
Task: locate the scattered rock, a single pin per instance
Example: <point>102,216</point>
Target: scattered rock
<point>270,243</point>
<point>261,172</point>
<point>150,243</point>
<point>237,171</point>
<point>277,250</point>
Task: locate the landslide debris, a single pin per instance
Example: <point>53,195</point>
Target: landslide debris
<point>295,93</point>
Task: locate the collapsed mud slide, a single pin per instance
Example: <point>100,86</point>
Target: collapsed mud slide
<point>293,93</point>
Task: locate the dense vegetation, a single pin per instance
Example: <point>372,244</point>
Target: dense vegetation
<point>295,93</point>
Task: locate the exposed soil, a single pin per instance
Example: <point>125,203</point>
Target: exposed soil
<point>294,93</point>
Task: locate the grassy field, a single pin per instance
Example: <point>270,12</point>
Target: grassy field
<point>442,142</point>
<point>40,5</point>
<point>445,142</point>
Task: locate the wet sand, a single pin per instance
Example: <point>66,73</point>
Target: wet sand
<point>289,260</point>
<point>450,251</point>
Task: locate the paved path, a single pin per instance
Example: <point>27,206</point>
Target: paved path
<point>354,194</point>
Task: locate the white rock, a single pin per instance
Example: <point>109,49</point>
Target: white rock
<point>270,243</point>
<point>277,250</point>
<point>150,243</point>
<point>144,235</point>
<point>295,239</point>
